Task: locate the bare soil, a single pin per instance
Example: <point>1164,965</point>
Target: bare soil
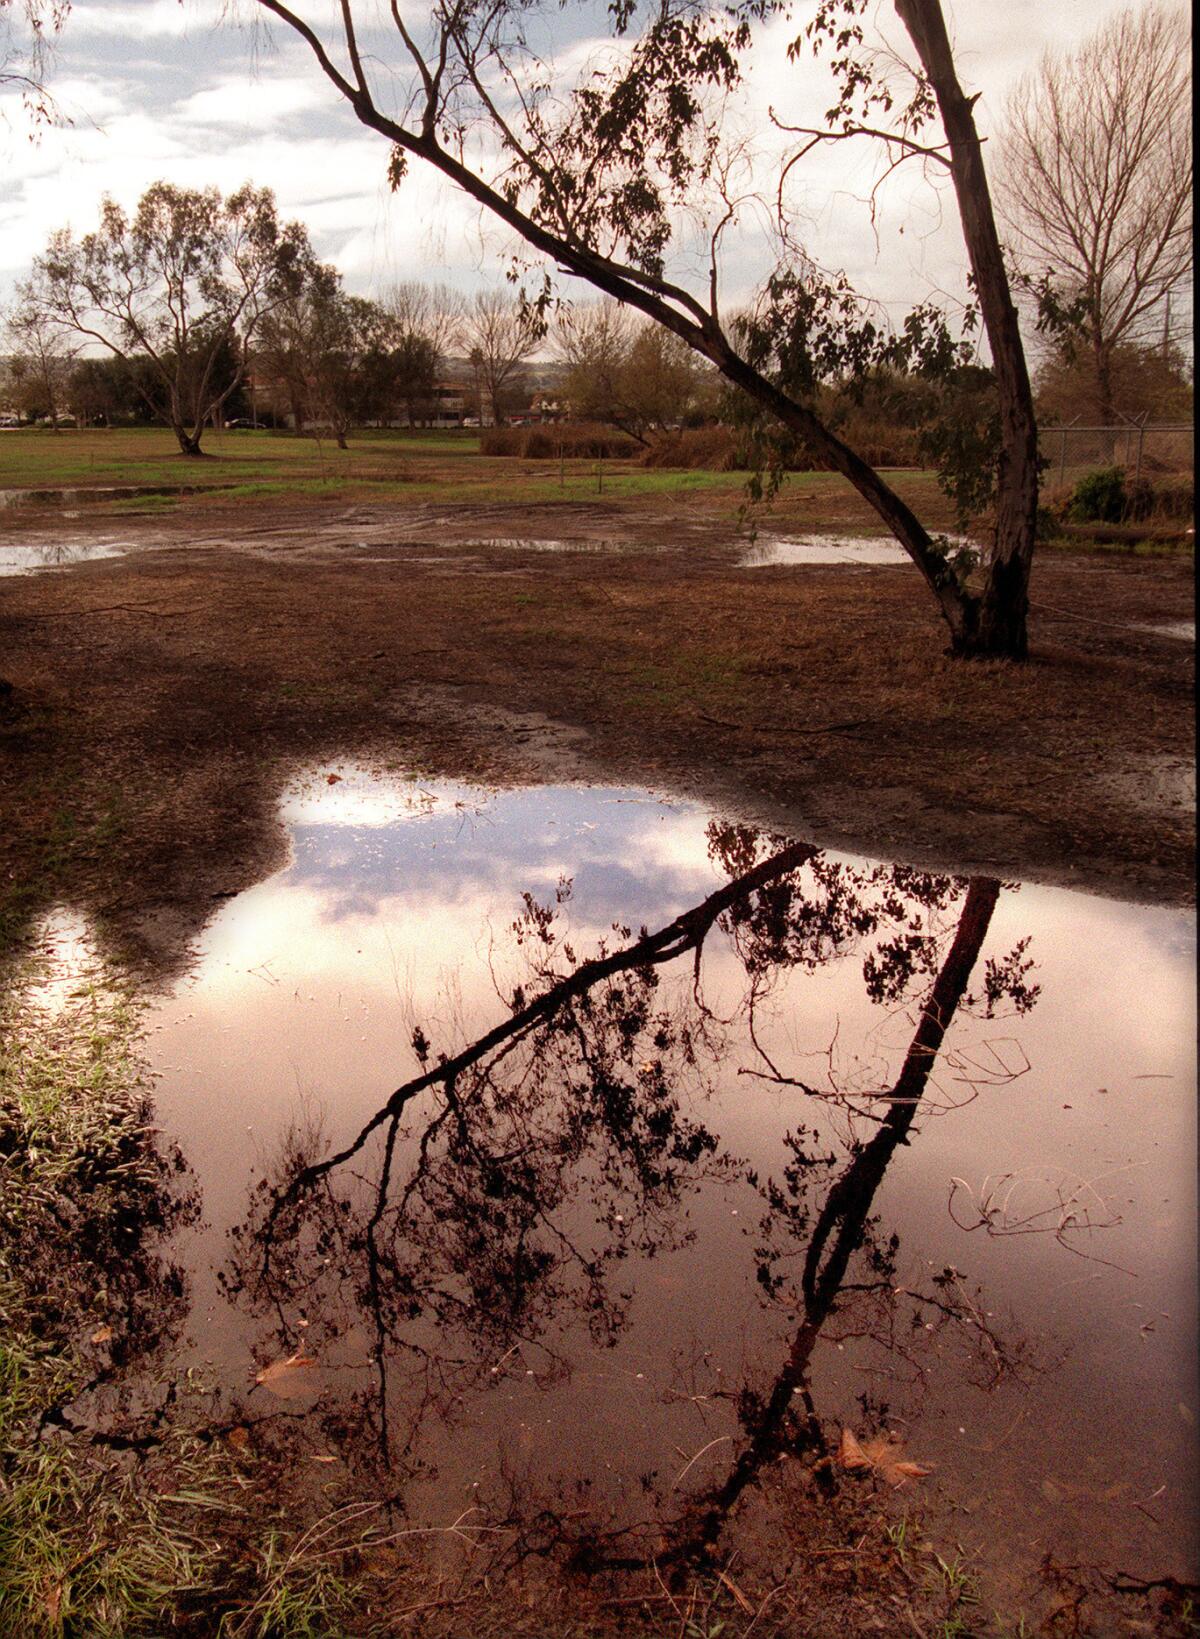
<point>162,698</point>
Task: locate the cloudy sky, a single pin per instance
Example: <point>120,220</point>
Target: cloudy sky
<point>175,89</point>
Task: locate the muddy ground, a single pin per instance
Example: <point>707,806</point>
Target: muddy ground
<point>161,697</point>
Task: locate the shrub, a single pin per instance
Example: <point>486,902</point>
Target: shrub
<point>577,441</point>
<point>715,449</point>
<point>1099,497</point>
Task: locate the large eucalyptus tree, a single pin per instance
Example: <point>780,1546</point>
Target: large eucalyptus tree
<point>591,175</point>
<point>181,283</point>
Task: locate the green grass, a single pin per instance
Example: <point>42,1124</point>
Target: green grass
<point>380,465</point>
<point>97,1541</point>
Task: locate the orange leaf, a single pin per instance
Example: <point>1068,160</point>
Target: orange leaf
<point>102,1334</point>
<point>880,1455</point>
<point>286,1377</point>
<point>850,1454</point>
<point>239,1438</point>
<point>333,779</point>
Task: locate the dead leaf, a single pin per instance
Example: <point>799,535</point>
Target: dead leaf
<point>850,1453</point>
<point>239,1438</point>
<point>321,1458</point>
<point>882,1455</point>
<point>52,1602</point>
<point>333,779</point>
<point>102,1334</point>
<point>286,1377</point>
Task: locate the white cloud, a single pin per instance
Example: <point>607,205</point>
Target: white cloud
<point>231,102</point>
<point>164,89</point>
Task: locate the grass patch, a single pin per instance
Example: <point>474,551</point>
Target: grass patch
<point>150,1532</point>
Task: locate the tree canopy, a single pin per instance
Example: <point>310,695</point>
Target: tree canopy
<point>183,280</point>
<point>593,175</point>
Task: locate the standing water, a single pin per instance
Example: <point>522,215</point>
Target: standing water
<point>847,1146</point>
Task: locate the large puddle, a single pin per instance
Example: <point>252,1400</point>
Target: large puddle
<point>28,558</point>
<point>828,1154</point>
<point>828,551</point>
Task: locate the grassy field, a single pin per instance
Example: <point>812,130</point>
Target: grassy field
<point>379,466</point>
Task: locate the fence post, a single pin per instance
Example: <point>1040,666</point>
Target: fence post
<point>1062,466</point>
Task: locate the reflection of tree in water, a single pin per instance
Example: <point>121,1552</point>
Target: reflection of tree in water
<point>491,1202</point>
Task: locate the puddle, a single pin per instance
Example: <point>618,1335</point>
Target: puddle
<point>594,1268</point>
<point>101,492</point>
<point>827,550</point>
<point>28,559</point>
<point>519,543</point>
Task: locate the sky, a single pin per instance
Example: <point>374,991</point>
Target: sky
<point>190,92</point>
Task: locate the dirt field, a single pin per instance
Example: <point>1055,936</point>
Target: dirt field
<point>161,697</point>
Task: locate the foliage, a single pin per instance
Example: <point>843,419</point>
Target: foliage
<point>181,284</point>
<point>1143,382</point>
<point>639,378</point>
<point>573,440</point>
<point>1099,497</point>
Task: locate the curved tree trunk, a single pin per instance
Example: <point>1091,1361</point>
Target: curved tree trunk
<point>992,623</point>
<point>1000,627</point>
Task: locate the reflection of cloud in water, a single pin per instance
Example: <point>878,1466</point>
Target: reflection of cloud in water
<point>361,846</point>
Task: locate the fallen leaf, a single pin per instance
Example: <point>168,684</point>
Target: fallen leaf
<point>880,1455</point>
<point>318,1458</point>
<point>285,1377</point>
<point>52,1602</point>
<point>102,1334</point>
<point>333,779</point>
<point>850,1453</point>
<point>239,1438</point>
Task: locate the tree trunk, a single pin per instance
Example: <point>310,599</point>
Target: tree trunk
<point>189,443</point>
<point>1003,608</point>
<point>1104,390</point>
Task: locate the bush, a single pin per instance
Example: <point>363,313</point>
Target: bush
<point>714,449</point>
<point>577,441</point>
<point>1106,497</point>
<point>1099,497</point>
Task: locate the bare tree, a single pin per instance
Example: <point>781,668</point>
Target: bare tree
<point>591,179</point>
<point>639,379</point>
<point>500,336</point>
<point>183,281</point>
<point>1095,182</point>
<point>40,358</point>
<point>434,312</point>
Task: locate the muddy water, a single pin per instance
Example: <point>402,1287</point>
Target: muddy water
<point>29,558</point>
<point>827,550</point>
<point>554,1280</point>
<point>96,493</point>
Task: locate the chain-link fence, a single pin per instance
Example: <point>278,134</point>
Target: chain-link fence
<point>1144,449</point>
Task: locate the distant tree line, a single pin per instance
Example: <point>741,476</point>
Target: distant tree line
<point>197,310</point>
